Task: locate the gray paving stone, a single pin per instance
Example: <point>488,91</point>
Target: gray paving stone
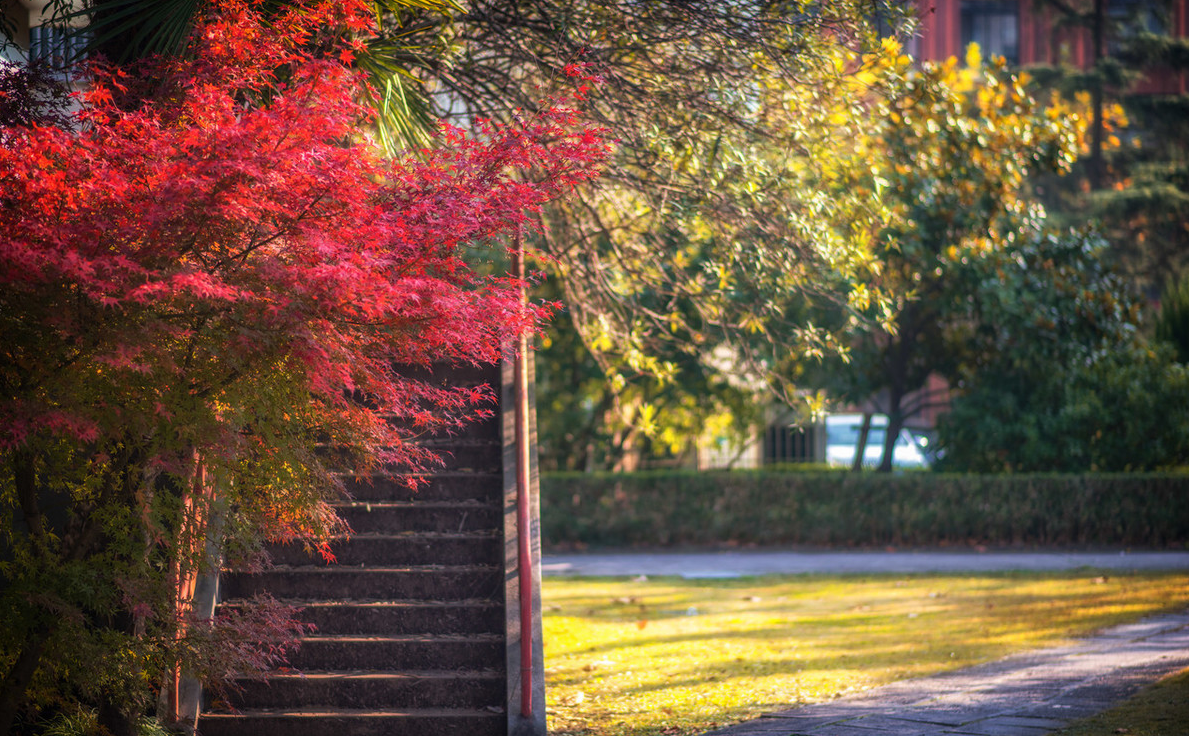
<point>759,728</point>
<point>1025,721</point>
<point>800,720</point>
<point>998,730</point>
<point>846,729</point>
<point>1160,644</point>
<point>898,726</point>
<point>834,711</point>
<point>1144,629</point>
<point>1068,710</point>
<point>949,715</point>
<point>1015,693</point>
<point>1105,693</point>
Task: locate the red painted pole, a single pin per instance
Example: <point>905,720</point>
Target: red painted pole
<point>523,501</point>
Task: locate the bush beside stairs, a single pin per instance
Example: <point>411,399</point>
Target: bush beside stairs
<point>417,628</point>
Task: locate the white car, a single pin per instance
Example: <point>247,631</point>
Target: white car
<point>842,437</point>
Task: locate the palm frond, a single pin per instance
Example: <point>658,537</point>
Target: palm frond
<point>409,40</point>
<point>128,29</point>
<point>405,117</point>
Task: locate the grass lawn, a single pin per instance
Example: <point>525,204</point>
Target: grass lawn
<point>672,656</point>
<point>1161,710</point>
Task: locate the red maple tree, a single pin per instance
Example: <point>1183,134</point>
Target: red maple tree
<point>210,273</point>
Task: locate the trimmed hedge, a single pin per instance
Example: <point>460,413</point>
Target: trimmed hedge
<point>663,509</point>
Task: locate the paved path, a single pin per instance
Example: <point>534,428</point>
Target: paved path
<point>1028,694</point>
<point>738,563</point>
<point>1023,695</point>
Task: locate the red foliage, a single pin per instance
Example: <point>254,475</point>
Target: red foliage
<point>216,226</point>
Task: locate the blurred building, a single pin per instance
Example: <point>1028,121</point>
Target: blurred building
<point>1027,32</point>
<point>38,31</point>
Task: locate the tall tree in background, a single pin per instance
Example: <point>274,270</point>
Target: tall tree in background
<point>703,262</point>
<point>1061,377</point>
<point>740,194</point>
<point>958,147</point>
<point>201,277</point>
<point>1134,180</point>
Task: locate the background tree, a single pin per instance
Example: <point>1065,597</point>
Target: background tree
<point>1062,377</point>
<point>1138,191</point>
<point>587,422</point>
<point>1172,321</point>
<point>202,277</point>
<point>740,194</point>
<point>31,95</point>
<point>958,149</point>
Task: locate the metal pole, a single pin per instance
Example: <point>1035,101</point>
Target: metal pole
<point>523,500</point>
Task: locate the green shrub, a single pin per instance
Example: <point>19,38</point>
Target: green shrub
<point>666,509</point>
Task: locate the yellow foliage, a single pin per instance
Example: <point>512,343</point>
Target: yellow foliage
<point>974,56</point>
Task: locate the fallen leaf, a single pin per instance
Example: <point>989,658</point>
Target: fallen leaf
<point>574,698</point>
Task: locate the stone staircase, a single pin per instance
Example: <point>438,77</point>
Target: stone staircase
<point>417,632</point>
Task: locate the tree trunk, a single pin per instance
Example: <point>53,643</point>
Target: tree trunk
<point>897,389</point>
<point>117,721</point>
<point>895,424</point>
<point>1097,102</point>
<point>861,444</point>
<point>18,679</point>
<point>16,682</point>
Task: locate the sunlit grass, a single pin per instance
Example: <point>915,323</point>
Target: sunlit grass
<point>672,656</point>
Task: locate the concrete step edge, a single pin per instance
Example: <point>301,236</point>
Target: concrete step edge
<point>330,569</point>
<point>466,503</point>
<point>353,713</point>
<point>399,638</point>
<point>443,536</point>
<point>326,675</point>
<point>381,603</point>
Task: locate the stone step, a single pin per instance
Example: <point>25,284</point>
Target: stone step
<point>412,652</point>
<point>360,689</point>
<point>453,375</point>
<point>402,617</point>
<point>413,548</point>
<point>480,487</point>
<point>347,722</point>
<point>337,582</point>
<point>483,428</point>
<point>398,617</point>
<point>417,516</point>
<point>473,456</point>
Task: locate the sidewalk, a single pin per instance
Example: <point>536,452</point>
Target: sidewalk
<point>766,562</point>
<point>1023,695</point>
